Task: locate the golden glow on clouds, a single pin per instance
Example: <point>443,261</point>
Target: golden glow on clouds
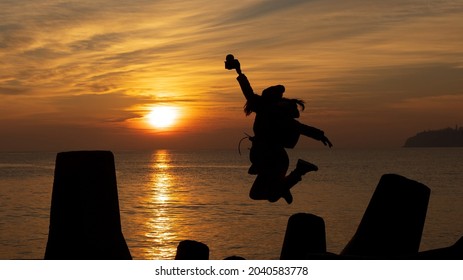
<point>86,64</point>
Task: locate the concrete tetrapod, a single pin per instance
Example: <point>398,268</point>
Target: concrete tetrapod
<point>393,222</point>
<point>84,217</point>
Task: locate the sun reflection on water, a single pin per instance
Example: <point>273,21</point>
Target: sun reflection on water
<point>160,227</point>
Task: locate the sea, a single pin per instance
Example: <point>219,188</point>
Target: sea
<point>166,196</point>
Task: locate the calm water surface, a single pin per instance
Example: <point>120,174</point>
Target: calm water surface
<point>167,196</point>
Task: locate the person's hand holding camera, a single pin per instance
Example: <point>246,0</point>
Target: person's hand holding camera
<point>232,63</point>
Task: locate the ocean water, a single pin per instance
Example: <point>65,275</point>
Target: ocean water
<point>166,196</point>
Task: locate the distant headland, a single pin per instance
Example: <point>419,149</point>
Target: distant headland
<point>447,137</point>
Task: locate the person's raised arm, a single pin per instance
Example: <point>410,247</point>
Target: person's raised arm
<point>246,88</point>
<point>232,63</point>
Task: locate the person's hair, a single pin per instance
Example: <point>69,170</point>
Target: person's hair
<point>299,102</point>
<point>249,108</point>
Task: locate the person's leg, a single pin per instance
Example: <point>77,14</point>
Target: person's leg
<point>295,177</point>
<point>301,169</point>
<point>272,183</point>
<point>269,185</point>
<point>260,189</point>
<point>270,180</point>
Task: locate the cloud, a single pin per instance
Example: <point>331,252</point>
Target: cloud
<point>256,11</point>
<point>375,91</point>
<point>102,61</point>
<point>95,108</point>
<point>97,42</point>
<point>14,37</point>
<point>12,91</point>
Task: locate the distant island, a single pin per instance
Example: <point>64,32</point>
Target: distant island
<point>447,137</point>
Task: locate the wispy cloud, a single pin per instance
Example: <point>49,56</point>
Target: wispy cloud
<point>341,56</point>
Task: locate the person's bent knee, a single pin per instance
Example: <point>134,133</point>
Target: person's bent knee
<point>273,199</point>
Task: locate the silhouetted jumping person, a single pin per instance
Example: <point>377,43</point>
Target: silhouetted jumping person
<point>275,128</point>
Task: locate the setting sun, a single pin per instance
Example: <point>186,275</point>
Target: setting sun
<point>162,116</point>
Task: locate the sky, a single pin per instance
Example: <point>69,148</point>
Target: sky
<point>86,74</point>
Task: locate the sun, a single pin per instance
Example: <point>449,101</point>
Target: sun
<point>162,116</point>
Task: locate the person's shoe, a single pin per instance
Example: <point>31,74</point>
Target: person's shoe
<point>288,197</point>
<point>304,166</point>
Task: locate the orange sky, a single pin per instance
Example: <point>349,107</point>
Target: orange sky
<point>83,74</point>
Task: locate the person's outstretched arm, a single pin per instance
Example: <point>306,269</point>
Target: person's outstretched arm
<point>315,133</point>
<point>326,141</point>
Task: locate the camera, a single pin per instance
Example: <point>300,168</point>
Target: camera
<point>231,62</point>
